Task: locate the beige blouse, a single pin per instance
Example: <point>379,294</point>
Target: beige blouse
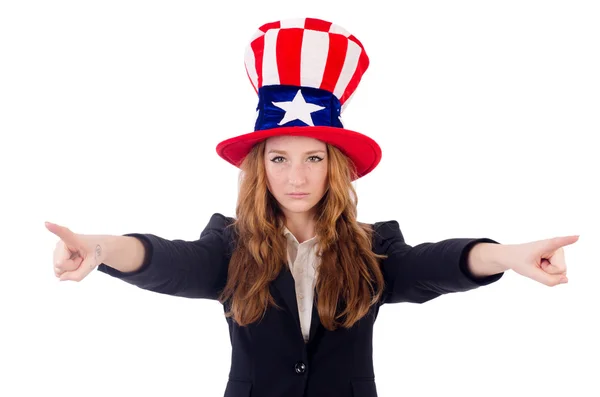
<point>303,261</point>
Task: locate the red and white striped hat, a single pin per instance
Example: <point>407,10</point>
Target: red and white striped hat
<point>304,72</point>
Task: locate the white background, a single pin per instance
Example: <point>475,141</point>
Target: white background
<point>487,113</point>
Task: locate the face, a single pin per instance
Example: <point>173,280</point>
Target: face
<point>296,170</point>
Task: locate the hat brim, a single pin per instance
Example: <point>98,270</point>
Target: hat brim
<point>364,152</point>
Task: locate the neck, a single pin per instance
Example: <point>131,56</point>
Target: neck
<point>301,225</point>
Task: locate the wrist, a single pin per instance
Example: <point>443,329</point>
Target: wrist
<point>100,247</point>
<point>488,258</point>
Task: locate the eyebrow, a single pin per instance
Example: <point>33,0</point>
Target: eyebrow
<point>284,152</point>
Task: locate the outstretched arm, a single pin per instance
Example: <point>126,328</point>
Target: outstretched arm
<point>191,269</point>
<point>542,261</point>
<point>423,272</point>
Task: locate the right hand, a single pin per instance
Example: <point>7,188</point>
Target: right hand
<point>75,254</point>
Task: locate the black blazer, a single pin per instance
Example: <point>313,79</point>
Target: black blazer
<point>270,357</point>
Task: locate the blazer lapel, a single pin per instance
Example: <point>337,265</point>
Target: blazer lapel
<point>286,286</point>
<point>315,321</point>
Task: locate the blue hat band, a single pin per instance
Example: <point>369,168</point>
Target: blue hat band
<point>292,106</point>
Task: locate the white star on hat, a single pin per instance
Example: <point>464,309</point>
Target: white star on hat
<point>298,109</point>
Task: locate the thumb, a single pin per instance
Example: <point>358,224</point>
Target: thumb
<point>81,272</point>
<point>64,233</point>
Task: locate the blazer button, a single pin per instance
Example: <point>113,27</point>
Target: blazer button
<point>300,367</point>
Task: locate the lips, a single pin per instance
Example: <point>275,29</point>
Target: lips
<point>297,194</point>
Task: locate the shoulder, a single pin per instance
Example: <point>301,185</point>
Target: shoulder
<point>385,233</point>
<point>222,227</point>
<point>384,230</point>
<point>218,223</point>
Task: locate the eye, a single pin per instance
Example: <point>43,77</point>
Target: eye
<point>276,159</point>
<point>317,158</point>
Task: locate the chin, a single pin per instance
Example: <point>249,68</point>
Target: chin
<point>298,207</point>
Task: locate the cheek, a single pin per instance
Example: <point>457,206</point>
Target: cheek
<point>321,175</point>
<point>274,178</point>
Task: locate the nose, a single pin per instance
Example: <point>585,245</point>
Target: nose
<point>297,174</point>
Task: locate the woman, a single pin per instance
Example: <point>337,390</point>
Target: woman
<point>300,279</point>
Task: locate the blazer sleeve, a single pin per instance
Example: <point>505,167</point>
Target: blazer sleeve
<point>190,269</point>
<point>423,272</point>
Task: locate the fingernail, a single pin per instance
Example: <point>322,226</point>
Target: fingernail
<point>563,280</point>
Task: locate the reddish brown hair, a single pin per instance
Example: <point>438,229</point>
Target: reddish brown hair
<point>349,275</point>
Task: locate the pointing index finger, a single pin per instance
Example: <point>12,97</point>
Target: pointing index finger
<point>64,233</point>
<point>555,243</point>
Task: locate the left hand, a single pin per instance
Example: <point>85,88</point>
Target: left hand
<point>542,261</point>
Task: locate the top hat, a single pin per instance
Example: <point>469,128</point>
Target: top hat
<point>304,71</point>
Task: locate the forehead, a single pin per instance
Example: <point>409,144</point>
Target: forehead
<point>289,143</point>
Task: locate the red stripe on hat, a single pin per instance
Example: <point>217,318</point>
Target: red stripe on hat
<point>361,67</point>
<point>258,47</point>
<point>270,25</point>
<point>317,24</point>
<point>288,48</point>
<point>338,46</point>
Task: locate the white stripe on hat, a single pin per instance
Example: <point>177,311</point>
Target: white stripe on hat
<point>251,67</point>
<point>347,101</point>
<point>352,55</point>
<point>256,35</point>
<point>338,29</point>
<point>292,23</point>
<point>315,47</point>
<point>270,71</point>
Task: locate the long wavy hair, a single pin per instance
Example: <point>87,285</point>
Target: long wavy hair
<point>349,278</point>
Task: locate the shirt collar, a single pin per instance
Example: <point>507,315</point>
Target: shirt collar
<point>290,236</point>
